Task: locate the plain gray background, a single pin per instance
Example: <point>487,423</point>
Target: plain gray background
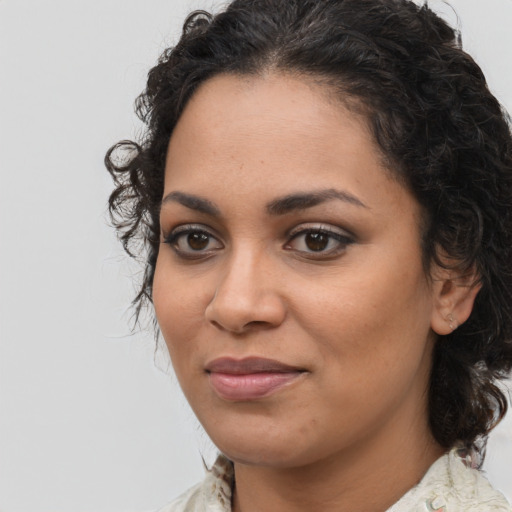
<point>88,421</point>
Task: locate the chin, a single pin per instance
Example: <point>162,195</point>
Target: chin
<point>266,456</point>
<point>266,448</point>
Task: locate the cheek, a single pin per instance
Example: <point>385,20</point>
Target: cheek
<point>373,317</point>
<point>372,338</point>
<point>178,306</point>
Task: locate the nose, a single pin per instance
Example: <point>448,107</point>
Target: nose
<point>247,297</point>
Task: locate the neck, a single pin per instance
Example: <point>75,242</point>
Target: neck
<point>369,477</point>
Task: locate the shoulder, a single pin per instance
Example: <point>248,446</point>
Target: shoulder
<point>213,494</point>
<point>453,485</point>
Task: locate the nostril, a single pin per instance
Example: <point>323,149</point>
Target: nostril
<point>258,324</point>
<point>249,326</point>
<point>217,325</point>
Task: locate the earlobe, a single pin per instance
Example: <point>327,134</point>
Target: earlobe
<point>454,296</point>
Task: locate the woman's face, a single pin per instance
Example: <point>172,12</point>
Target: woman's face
<point>289,285</point>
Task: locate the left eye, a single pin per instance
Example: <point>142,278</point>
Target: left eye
<point>319,241</point>
<point>197,241</point>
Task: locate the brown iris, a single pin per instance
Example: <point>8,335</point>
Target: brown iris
<point>316,241</point>
<point>198,241</point>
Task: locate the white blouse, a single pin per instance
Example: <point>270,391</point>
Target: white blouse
<point>450,485</point>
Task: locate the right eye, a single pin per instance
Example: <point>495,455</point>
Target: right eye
<point>192,242</point>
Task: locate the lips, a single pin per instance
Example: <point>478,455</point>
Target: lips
<point>250,378</point>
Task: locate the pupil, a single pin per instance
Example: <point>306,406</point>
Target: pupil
<point>317,241</point>
<point>197,241</point>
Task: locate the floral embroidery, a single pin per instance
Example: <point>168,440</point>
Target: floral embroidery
<point>436,505</point>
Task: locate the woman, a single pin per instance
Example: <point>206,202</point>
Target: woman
<point>325,193</point>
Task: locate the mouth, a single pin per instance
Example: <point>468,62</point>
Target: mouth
<point>251,378</point>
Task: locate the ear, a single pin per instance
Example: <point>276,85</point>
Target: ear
<point>453,294</point>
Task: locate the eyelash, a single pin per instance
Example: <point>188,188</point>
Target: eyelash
<point>173,239</point>
<point>342,241</point>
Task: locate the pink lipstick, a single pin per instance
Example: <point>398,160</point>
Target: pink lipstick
<point>250,378</point>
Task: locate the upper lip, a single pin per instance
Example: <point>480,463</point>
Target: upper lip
<point>249,365</point>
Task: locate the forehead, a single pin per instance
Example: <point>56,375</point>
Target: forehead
<point>270,134</point>
<point>267,101</point>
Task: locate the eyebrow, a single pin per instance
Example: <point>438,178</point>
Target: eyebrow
<point>279,206</point>
<point>303,200</point>
<point>197,203</point>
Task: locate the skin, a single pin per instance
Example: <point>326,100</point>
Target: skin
<point>351,433</point>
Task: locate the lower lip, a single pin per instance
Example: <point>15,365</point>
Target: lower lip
<point>250,386</point>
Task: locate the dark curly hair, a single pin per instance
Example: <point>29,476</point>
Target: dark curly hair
<point>440,130</point>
